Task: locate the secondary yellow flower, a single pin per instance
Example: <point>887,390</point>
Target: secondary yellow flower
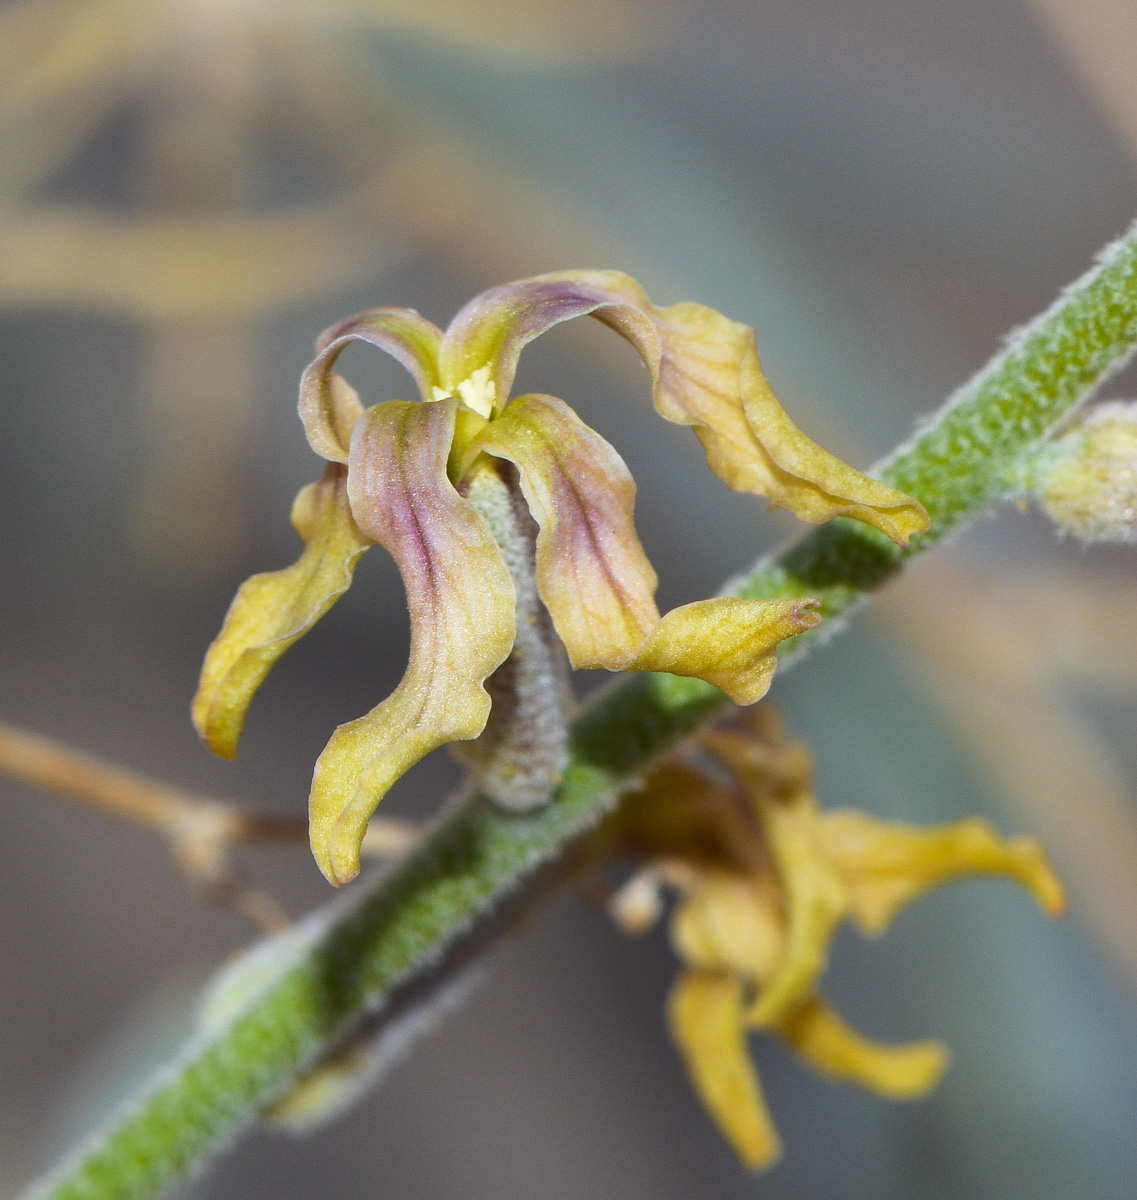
<point>405,474</point>
<point>764,880</point>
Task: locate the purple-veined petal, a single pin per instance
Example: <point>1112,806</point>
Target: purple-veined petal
<point>592,573</point>
<point>705,373</point>
<point>329,406</point>
<point>272,611</point>
<point>492,329</point>
<point>594,577</point>
<point>461,601</point>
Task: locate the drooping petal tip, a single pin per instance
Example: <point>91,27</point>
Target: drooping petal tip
<point>708,376</point>
<point>887,865</point>
<point>729,642</point>
<point>820,1037</point>
<point>461,601</point>
<point>704,1012</point>
<point>274,610</point>
<point>329,407</point>
<point>705,374</point>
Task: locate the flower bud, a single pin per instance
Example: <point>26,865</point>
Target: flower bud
<point>1086,480</point>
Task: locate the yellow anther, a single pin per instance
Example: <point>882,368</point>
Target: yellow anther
<point>478,392</point>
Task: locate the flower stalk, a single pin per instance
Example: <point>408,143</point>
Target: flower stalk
<point>351,957</point>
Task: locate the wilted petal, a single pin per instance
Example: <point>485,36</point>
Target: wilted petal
<point>887,865</point>
<point>823,1039</point>
<point>592,572</point>
<point>729,642</point>
<point>682,813</point>
<point>329,406</point>
<point>595,579</point>
<point>704,1011</point>
<point>705,373</point>
<point>816,901</point>
<point>729,922</point>
<point>273,610</point>
<point>461,601</point>
<point>709,377</point>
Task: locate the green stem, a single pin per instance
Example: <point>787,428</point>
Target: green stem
<point>317,984</point>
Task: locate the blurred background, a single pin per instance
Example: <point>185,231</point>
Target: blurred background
<point>190,190</point>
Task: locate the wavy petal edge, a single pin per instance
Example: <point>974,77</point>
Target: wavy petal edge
<point>705,374</point>
<point>462,605</point>
<point>273,610</point>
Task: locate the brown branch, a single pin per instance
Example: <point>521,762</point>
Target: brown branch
<point>202,830</point>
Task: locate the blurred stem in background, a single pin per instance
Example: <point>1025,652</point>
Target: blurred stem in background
<point>309,990</point>
<point>1099,38</point>
<point>202,830</point>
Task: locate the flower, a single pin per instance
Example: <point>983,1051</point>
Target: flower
<point>764,879</point>
<point>404,474</point>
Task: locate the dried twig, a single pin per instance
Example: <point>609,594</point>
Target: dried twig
<point>202,830</point>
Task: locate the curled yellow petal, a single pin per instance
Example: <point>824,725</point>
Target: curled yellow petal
<point>329,406</point>
<point>704,1012</point>
<point>461,601</point>
<point>709,377</point>
<point>816,901</point>
<point>822,1038</point>
<point>887,865</point>
<point>729,642</point>
<point>815,898</point>
<point>595,579</point>
<point>729,922</point>
<point>272,611</point>
<point>705,374</point>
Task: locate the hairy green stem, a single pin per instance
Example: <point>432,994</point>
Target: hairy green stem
<point>305,993</point>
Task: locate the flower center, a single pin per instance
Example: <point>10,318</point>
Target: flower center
<point>477,393</point>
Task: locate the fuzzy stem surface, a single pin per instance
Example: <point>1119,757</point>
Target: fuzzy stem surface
<point>342,966</point>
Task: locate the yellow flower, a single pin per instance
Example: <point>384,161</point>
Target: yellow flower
<point>409,476</point>
<point>764,879</point>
